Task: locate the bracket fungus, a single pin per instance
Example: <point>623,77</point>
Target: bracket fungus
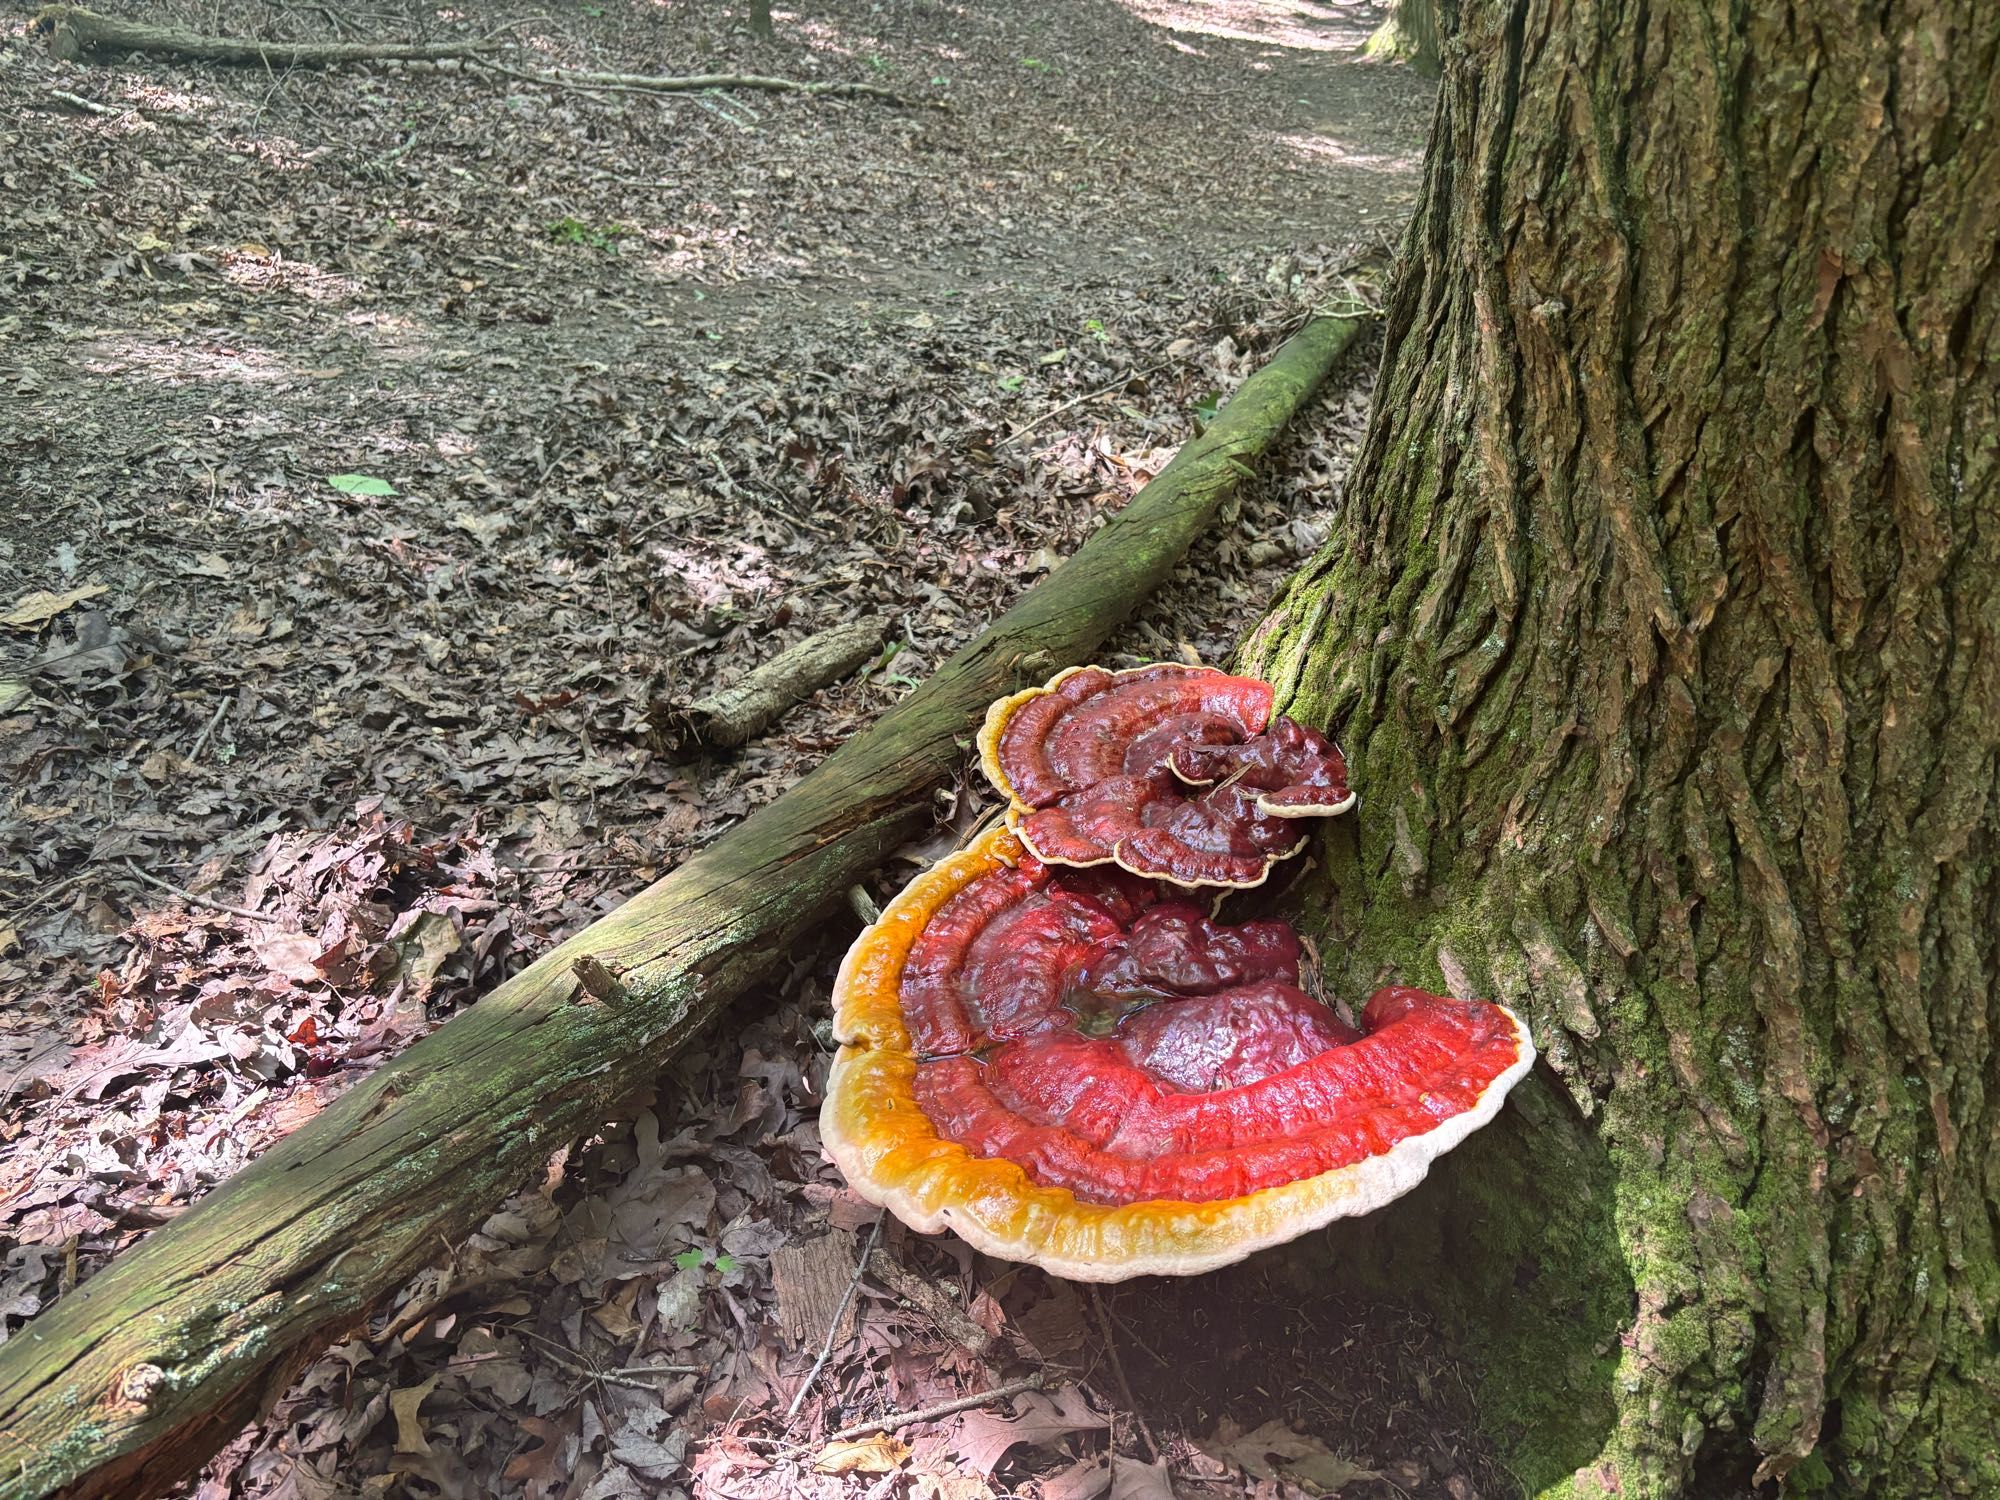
<point>1080,1069</point>
<point>1173,772</point>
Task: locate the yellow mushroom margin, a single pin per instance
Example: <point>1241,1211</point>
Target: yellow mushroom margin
<point>892,1155</point>
<point>995,725</point>
<point>1003,709</point>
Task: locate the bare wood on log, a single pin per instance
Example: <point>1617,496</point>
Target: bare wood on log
<point>74,32</point>
<point>736,715</point>
<point>236,1294</point>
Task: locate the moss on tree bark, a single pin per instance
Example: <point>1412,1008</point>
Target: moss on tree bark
<point>1662,629</point>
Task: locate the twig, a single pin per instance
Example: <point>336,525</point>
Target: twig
<point>90,106</point>
<point>1118,1369</point>
<point>702,83</point>
<point>202,739</point>
<point>930,1298</point>
<point>662,1370</point>
<point>839,1312</point>
<point>894,1420</point>
<point>1117,385</point>
<point>187,895</point>
<point>52,893</point>
<point>378,166</point>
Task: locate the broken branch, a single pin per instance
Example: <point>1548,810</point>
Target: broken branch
<point>736,715</point>
<point>74,33</point>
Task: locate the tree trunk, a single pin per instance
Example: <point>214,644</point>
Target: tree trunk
<point>1662,629</point>
<point>1412,34</point>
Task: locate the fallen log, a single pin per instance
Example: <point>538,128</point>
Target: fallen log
<point>131,1381</point>
<point>72,32</point>
<point>737,714</point>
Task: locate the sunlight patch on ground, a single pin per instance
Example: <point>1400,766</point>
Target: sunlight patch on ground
<point>714,581</point>
<point>276,151</point>
<point>155,97</point>
<point>395,335</point>
<point>1316,147</point>
<point>1302,25</point>
<point>135,356</point>
<point>703,252</point>
<point>258,268</point>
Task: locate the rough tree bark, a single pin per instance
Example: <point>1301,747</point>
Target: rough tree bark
<point>1412,34</point>
<point>1662,627</point>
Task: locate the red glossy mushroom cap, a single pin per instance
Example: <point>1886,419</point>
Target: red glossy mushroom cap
<point>1169,771</point>
<point>1081,1070</point>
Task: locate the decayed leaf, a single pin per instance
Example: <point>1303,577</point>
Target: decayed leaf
<point>1132,1480</point>
<point>1274,1451</point>
<point>409,1426</point>
<point>31,610</point>
<point>424,947</point>
<point>980,1439</point>
<point>870,1455</point>
<point>949,1487</point>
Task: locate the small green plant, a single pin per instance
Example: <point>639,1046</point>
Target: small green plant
<point>695,1259</point>
<point>1011,382</point>
<point>877,63</point>
<point>1095,328</point>
<point>1037,64</point>
<point>360,484</point>
<point>570,230</point>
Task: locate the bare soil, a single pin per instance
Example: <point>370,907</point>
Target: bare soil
<point>622,394</point>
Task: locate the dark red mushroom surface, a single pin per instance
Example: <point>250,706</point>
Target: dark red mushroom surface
<point>1169,771</point>
<point>1081,1069</point>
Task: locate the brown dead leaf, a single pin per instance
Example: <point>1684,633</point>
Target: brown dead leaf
<point>949,1487</point>
<point>43,605</point>
<point>424,947</point>
<point>1132,1480</point>
<point>880,1454</point>
<point>1274,1451</point>
<point>980,1439</point>
<point>541,1467</point>
<point>409,1426</point>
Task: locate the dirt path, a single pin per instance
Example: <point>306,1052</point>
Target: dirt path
<point>659,386</point>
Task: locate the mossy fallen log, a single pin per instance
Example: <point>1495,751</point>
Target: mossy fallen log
<point>131,1381</point>
<point>72,33</point>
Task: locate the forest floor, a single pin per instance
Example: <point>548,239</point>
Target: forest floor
<point>383,447</point>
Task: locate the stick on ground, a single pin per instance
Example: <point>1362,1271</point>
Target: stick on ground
<point>893,1420</point>
<point>736,715</point>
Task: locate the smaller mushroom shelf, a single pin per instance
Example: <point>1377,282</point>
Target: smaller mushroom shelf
<point>1081,1069</point>
<point>1174,772</point>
